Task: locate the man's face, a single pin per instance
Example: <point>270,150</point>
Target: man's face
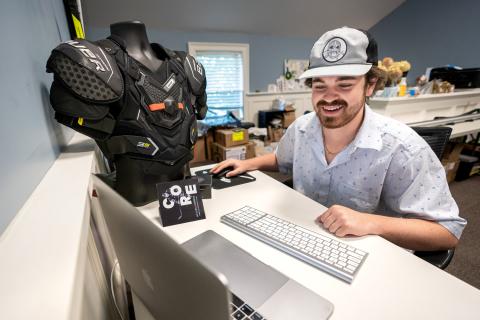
<point>338,99</point>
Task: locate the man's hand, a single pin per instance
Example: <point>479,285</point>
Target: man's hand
<point>238,167</point>
<point>266,162</point>
<point>343,221</point>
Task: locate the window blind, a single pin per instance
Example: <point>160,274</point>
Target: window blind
<point>224,72</point>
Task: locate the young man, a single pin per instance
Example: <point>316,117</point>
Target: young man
<point>375,174</point>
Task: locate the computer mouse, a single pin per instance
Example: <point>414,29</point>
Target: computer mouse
<point>222,172</point>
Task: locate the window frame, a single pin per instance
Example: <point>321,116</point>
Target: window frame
<point>243,48</point>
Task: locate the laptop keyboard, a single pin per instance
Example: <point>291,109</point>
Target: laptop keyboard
<point>241,310</point>
<point>334,257</point>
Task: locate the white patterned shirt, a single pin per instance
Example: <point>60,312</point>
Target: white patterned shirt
<point>387,169</point>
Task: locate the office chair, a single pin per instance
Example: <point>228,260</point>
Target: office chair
<point>437,138</point>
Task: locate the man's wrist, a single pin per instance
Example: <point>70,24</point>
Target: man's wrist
<point>250,164</point>
<point>375,226</point>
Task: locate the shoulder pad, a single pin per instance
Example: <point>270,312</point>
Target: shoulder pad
<point>195,75</point>
<point>87,70</point>
<point>65,103</point>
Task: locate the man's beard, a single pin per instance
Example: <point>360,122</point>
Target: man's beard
<point>347,114</point>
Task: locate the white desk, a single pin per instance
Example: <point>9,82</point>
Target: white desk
<point>45,273</point>
<point>392,283</point>
<point>465,128</point>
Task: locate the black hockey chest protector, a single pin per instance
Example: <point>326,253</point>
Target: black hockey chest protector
<point>130,111</point>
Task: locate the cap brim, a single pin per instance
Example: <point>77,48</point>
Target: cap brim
<point>338,70</point>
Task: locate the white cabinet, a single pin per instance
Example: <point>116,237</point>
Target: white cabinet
<point>405,109</point>
<point>428,106</point>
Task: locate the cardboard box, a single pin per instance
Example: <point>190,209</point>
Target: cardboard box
<point>231,137</point>
<point>451,160</point>
<point>221,153</point>
<point>275,134</point>
<point>199,150</point>
<point>209,142</point>
<point>288,116</point>
<point>250,150</point>
<point>452,151</point>
<point>451,168</point>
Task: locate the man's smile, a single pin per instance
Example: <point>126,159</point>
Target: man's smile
<point>331,109</point>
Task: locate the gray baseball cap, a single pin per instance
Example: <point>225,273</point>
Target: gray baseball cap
<point>342,52</point>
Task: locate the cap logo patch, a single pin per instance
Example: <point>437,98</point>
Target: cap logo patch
<point>335,49</point>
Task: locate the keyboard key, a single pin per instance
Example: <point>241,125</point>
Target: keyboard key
<point>351,268</point>
<point>353,254</point>
<point>237,301</point>
<point>348,270</point>
<point>247,309</point>
<point>244,311</point>
<point>256,316</point>
<point>238,315</point>
<point>355,260</point>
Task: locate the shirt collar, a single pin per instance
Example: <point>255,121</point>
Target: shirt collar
<point>312,131</point>
<point>368,136</point>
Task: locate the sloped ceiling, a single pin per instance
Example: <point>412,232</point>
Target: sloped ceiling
<point>304,18</point>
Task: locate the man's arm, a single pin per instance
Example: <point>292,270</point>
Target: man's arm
<point>266,162</point>
<point>409,233</point>
<point>416,189</point>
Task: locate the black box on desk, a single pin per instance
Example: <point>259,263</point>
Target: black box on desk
<point>179,201</point>
<point>205,185</point>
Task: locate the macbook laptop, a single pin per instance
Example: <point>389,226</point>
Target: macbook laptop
<point>208,277</point>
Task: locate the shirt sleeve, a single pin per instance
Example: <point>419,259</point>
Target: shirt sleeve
<point>285,150</point>
<point>416,187</point>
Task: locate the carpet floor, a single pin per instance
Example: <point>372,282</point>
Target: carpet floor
<point>465,264</point>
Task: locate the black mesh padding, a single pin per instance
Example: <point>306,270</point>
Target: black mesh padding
<point>436,137</point>
<point>66,103</point>
<point>155,94</point>
<point>81,80</point>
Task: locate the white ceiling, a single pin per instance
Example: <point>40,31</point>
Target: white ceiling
<point>307,18</point>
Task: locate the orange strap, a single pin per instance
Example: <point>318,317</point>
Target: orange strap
<point>156,106</point>
<point>161,106</point>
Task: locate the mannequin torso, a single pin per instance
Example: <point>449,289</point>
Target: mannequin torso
<point>134,36</point>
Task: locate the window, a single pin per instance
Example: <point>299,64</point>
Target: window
<point>226,68</point>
